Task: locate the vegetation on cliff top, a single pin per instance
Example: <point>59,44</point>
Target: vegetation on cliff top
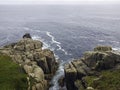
<point>12,77</point>
<point>96,70</point>
<point>108,80</point>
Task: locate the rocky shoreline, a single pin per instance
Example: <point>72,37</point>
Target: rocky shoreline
<point>94,70</point>
<point>91,72</point>
<point>39,64</point>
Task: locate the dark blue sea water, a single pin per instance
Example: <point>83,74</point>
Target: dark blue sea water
<point>68,30</point>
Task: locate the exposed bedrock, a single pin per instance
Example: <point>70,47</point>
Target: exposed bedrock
<point>40,64</point>
<point>93,64</point>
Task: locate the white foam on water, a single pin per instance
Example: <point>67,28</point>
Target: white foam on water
<point>45,45</point>
<point>115,42</point>
<point>26,28</point>
<point>7,39</point>
<point>101,40</point>
<point>60,48</point>
<point>3,41</point>
<point>83,37</point>
<point>37,30</point>
<point>57,43</point>
<point>59,73</point>
<point>116,49</point>
<point>31,30</point>
<point>53,38</point>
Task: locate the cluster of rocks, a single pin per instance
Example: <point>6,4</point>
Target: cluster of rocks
<point>92,63</point>
<point>40,64</point>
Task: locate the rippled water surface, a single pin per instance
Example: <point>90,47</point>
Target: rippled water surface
<point>67,30</point>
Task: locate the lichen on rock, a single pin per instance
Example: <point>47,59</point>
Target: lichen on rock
<point>94,64</point>
<point>37,62</point>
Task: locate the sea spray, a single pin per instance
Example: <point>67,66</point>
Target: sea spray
<point>57,43</point>
<point>45,45</point>
<point>60,71</point>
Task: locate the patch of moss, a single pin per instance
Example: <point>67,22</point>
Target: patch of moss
<point>79,85</point>
<point>12,77</point>
<point>108,80</point>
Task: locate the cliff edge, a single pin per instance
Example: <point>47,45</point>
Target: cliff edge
<point>39,64</point>
<point>96,70</point>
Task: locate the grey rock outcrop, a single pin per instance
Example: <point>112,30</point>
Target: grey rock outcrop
<point>27,35</point>
<point>37,62</point>
<point>102,58</point>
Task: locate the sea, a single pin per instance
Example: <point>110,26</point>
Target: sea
<point>68,30</point>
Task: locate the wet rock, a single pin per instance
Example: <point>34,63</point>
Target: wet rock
<point>61,81</point>
<point>27,35</point>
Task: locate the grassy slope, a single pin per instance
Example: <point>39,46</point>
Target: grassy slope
<point>12,76</point>
<point>110,80</point>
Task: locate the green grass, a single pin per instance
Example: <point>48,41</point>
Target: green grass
<point>110,80</point>
<point>12,77</point>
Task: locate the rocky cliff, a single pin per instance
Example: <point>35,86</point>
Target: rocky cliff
<point>96,70</point>
<point>39,64</point>
<point>33,68</point>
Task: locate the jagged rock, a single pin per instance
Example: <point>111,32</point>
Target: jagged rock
<point>103,48</point>
<point>81,67</point>
<point>101,60</point>
<point>39,87</point>
<point>50,60</point>
<point>41,59</point>
<point>28,69</point>
<point>36,62</point>
<point>27,35</point>
<point>61,81</point>
<point>79,85</point>
<point>27,44</point>
<point>18,58</point>
<point>20,48</point>
<point>38,73</point>
<point>30,56</point>
<point>91,64</point>
<point>33,87</point>
<point>37,45</point>
<point>73,71</point>
<point>70,76</point>
<point>43,64</point>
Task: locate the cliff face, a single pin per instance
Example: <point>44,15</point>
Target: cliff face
<point>40,65</point>
<point>96,70</point>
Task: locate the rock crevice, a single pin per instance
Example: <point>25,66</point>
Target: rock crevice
<point>92,64</point>
<point>40,64</point>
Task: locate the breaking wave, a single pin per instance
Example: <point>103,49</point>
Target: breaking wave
<point>58,44</point>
